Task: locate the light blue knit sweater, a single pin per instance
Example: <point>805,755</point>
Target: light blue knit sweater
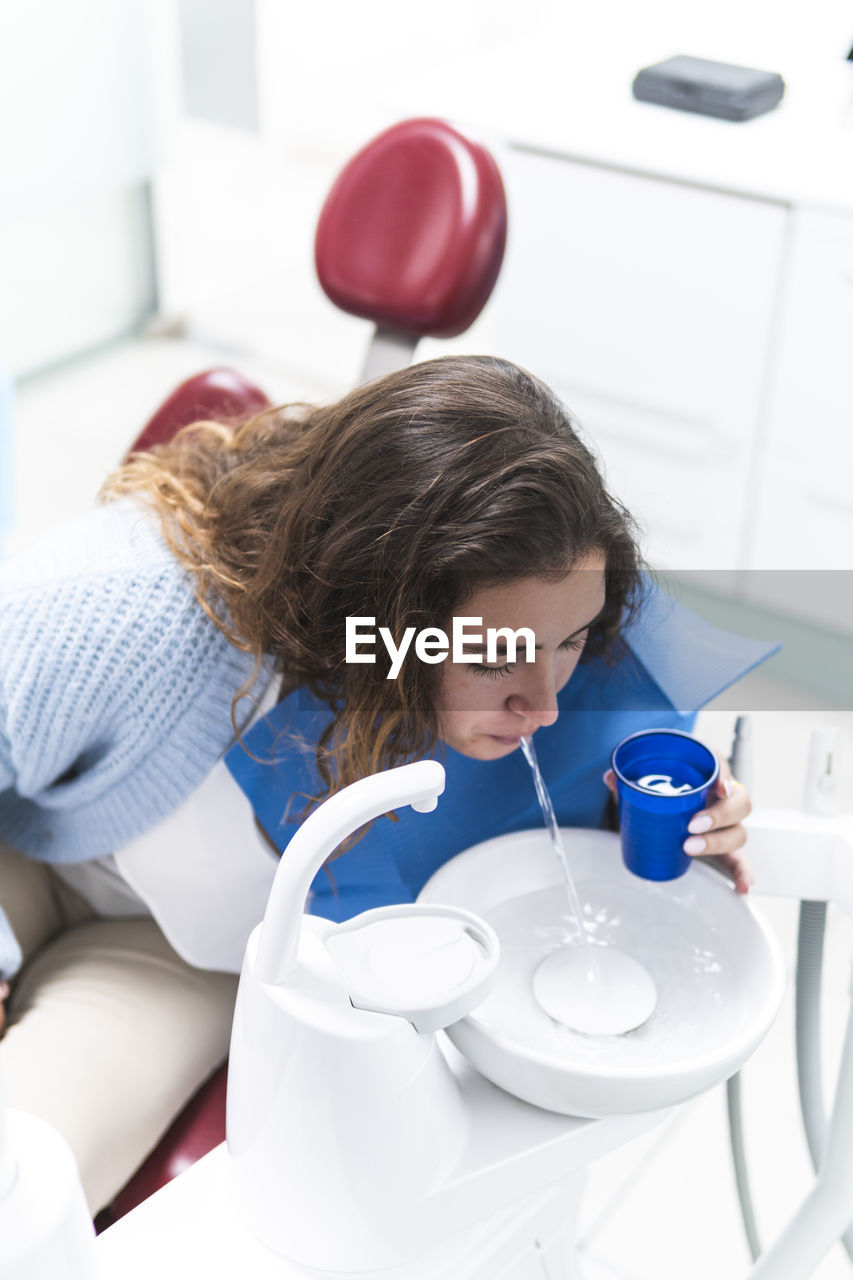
<point>115,690</point>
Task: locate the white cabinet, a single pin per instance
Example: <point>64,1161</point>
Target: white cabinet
<point>686,283</point>
<point>803,510</point>
<point>648,306</point>
<point>804,498</point>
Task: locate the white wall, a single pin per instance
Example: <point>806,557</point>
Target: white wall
<point>236,210</point>
<point>78,138</point>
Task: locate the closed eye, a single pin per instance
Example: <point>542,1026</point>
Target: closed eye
<point>576,642</point>
<point>573,643</point>
<point>492,673</point>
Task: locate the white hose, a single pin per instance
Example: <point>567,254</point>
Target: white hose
<point>733,1105</point>
<point>810,940</point>
<point>809,1068</point>
<point>740,762</point>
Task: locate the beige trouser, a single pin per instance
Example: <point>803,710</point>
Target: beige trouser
<point>108,1031</point>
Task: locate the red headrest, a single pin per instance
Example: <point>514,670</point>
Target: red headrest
<point>413,231</point>
<point>218,394</point>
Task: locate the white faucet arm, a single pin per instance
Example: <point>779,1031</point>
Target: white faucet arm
<point>419,784</point>
<point>802,855</point>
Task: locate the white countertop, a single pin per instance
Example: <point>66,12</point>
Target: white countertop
<point>189,1228</point>
<point>563,86</point>
<point>192,1226</point>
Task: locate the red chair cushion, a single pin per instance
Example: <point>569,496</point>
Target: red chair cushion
<point>198,1129</point>
<point>223,396</point>
<point>412,233</point>
<point>219,394</point>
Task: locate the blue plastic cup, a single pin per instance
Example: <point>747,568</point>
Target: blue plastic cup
<point>663,777</point>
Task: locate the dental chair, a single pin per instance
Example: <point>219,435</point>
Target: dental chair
<point>412,237</point>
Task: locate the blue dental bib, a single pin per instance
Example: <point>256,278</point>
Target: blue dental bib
<point>672,662</point>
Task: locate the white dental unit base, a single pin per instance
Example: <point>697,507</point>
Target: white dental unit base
<point>193,1226</point>
<point>394,1157</point>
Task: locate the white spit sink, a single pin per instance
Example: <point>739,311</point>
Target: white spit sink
<point>718,969</point>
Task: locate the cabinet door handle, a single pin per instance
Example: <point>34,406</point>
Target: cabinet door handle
<point>645,428</point>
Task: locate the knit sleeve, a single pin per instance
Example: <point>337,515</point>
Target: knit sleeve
<point>99,668</point>
<point>7,773</point>
<point>115,696</point>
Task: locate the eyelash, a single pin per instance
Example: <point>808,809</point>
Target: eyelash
<point>495,673</point>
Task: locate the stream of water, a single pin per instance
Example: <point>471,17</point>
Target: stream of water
<point>545,804</point>
<point>600,991</point>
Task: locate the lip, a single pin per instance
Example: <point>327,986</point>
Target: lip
<point>513,741</point>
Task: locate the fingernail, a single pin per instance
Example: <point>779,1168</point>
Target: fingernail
<point>694,845</point>
<point>4,990</point>
<point>702,822</point>
<point>729,785</point>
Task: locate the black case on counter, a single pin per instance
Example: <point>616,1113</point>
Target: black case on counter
<point>709,88</point>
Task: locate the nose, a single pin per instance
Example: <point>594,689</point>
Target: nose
<point>536,698</point>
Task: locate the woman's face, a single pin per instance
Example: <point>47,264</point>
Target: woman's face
<point>484,710</point>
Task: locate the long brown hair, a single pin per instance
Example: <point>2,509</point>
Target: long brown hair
<point>396,502</point>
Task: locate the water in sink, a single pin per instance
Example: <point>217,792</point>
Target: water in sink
<point>678,944</point>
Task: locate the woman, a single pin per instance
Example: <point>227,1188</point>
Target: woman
<point>218,578</point>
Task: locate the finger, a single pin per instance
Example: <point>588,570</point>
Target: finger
<point>722,843</point>
<point>721,813</point>
<point>738,870</point>
<point>724,781</point>
<point>609,780</point>
<point>723,787</point>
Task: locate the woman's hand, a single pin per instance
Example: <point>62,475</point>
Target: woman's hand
<point>717,831</point>
<point>4,992</point>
